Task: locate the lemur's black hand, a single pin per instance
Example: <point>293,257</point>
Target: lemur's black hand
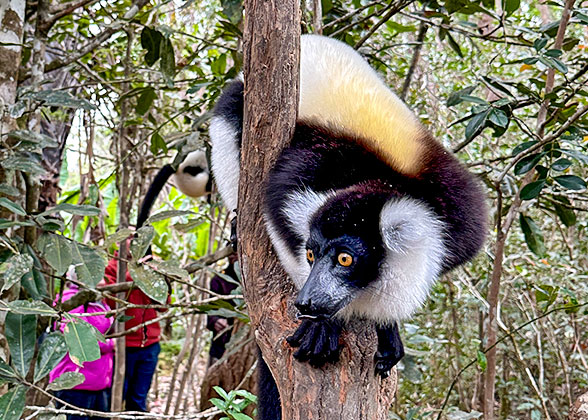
<point>390,349</point>
<point>317,341</point>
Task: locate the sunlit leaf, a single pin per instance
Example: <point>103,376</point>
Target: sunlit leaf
<point>57,251</point>
<point>67,380</point>
<point>12,403</point>
<point>81,341</point>
<point>150,282</point>
<point>52,350</point>
<point>20,331</point>
<point>14,268</point>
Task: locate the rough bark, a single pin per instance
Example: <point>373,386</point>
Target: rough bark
<point>11,32</point>
<point>579,411</point>
<point>349,389</point>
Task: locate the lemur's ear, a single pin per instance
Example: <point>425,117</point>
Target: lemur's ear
<point>406,223</point>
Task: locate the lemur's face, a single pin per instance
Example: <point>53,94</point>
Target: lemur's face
<point>340,268</point>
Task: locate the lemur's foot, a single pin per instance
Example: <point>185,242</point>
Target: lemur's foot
<point>317,342</point>
<point>390,349</point>
<point>234,231</point>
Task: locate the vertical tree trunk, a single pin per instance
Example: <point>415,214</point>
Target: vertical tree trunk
<point>348,390</point>
<point>11,32</point>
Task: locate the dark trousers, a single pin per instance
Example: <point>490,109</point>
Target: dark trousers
<point>140,367</point>
<point>92,400</point>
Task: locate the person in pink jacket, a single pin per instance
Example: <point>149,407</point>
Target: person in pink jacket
<point>94,392</point>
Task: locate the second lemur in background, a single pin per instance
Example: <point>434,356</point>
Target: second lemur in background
<point>192,178</point>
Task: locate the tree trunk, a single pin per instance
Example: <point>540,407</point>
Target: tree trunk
<point>579,411</point>
<point>349,389</point>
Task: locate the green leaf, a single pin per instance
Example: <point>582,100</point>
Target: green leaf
<point>170,268</point>
<point>454,45</point>
<point>57,251</point>
<point>553,53</point>
<point>150,282</point>
<point>150,40</point>
<point>157,144</point>
<point>6,223</point>
<point>571,182</point>
<point>14,268</point>
<point>81,341</point>
<point>476,125</point>
<point>12,206</point>
<point>89,264</point>
<point>145,100</point>
<point>565,214</point>
<point>6,372</point>
<point>76,209</point>
<point>60,98</point>
<point>168,61</point>
<point>456,97</point>
<point>559,65</point>
<point>540,43</point>
<point>168,214</point>
<point>24,307</point>
<point>9,190</point>
<point>527,163</point>
<point>498,117</point>
<point>511,6</point>
<point>12,404</point>
<point>28,136</point>
<point>561,164</point>
<point>474,99</point>
<point>482,361</point>
<point>53,349</point>
<point>20,333</point>
<point>67,380</point>
<point>522,147</point>
<point>532,189</point>
<point>29,164</point>
<point>141,241</point>
<point>118,236</point>
<point>533,235</point>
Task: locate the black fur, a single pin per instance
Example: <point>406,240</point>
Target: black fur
<point>317,341</point>
<point>320,160</point>
<point>268,396</point>
<point>156,186</point>
<point>390,349</point>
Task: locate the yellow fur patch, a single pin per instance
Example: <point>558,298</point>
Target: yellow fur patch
<point>339,89</point>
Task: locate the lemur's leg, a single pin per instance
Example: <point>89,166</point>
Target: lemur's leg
<point>390,349</point>
<point>268,397</point>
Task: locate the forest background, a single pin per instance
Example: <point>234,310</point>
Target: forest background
<point>95,96</point>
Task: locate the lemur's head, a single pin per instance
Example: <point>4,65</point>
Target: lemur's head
<point>193,176</point>
<point>361,245</point>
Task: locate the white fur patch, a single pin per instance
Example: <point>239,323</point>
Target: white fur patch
<point>299,207</point>
<point>193,186</point>
<point>225,160</point>
<point>413,238</point>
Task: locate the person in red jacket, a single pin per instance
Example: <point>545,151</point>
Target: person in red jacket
<point>142,345</point>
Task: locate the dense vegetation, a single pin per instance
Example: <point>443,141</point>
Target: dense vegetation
<point>109,91</point>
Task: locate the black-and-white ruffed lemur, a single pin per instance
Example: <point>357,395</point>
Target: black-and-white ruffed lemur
<point>364,208</point>
<point>192,178</point>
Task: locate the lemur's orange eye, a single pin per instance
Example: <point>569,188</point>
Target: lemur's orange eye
<point>345,259</point>
<point>309,255</point>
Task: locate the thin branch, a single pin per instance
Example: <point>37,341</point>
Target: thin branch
<point>394,9</point>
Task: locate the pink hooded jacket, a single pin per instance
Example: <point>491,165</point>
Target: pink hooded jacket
<point>99,372</point>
